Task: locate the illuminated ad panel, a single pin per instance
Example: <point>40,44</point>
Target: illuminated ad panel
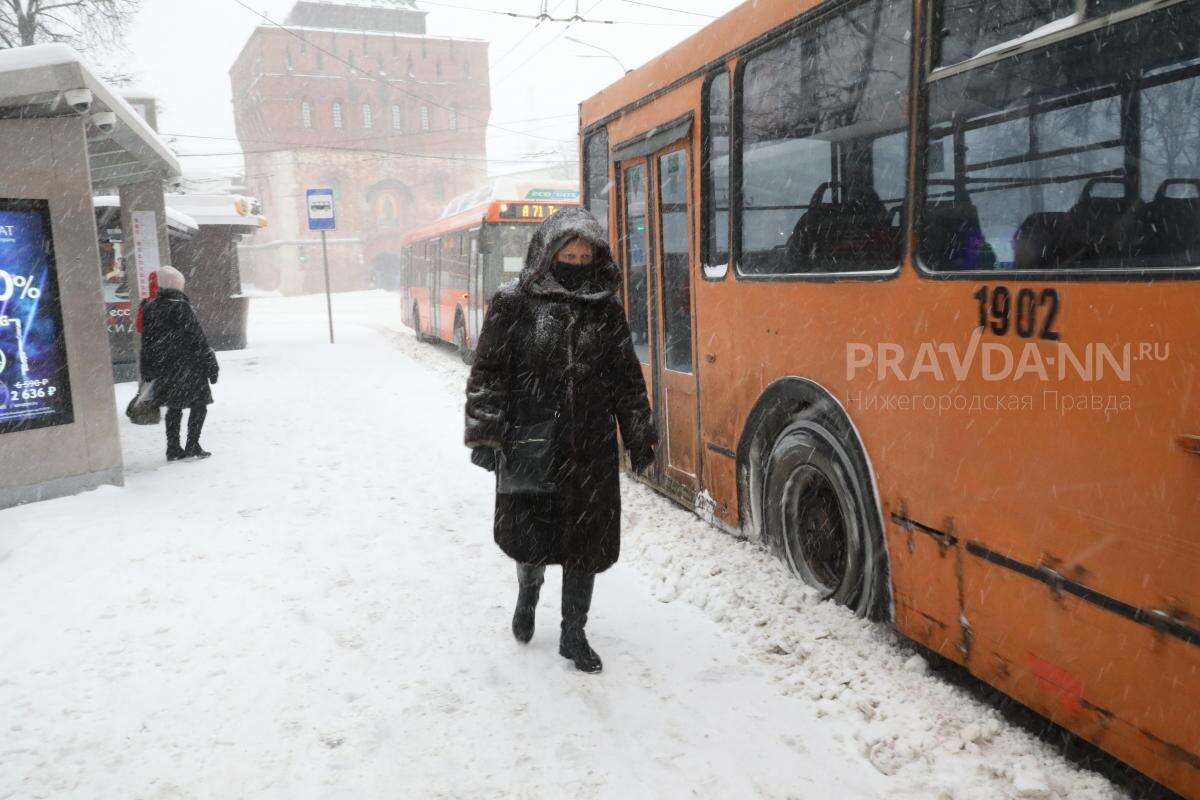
<point>35,391</point>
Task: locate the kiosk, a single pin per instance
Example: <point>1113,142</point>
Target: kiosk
<point>64,136</point>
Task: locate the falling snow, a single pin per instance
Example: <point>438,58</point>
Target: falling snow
<point>318,611</point>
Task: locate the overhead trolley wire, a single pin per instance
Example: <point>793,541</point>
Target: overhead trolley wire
<point>660,8</point>
<point>548,16</point>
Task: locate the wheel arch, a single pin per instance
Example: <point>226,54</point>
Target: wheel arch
<point>781,403</point>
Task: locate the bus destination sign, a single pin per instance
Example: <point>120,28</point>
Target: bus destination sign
<point>527,211</point>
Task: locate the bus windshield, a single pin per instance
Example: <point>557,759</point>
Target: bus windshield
<point>503,248</point>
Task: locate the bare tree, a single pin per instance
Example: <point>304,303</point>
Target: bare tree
<point>88,25</point>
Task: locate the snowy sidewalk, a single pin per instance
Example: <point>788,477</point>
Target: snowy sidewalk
<point>318,611</point>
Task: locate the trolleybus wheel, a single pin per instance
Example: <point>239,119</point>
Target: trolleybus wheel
<point>416,318</point>
<point>819,514</point>
<point>460,342</point>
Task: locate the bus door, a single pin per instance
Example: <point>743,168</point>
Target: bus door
<point>475,287</point>
<point>639,300</point>
<point>675,372</point>
<point>657,240</point>
<point>434,277</point>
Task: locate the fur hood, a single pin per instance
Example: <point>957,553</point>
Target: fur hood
<point>550,237</point>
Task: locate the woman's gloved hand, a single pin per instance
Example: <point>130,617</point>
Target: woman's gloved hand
<point>484,457</point>
<point>642,458</point>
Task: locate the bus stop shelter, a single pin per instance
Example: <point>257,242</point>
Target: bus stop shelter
<point>65,136</point>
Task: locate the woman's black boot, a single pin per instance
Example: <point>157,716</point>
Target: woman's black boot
<point>195,425</point>
<point>529,583</point>
<point>174,423</point>
<point>576,602</point>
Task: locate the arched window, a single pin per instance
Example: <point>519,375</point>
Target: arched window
<point>387,212</point>
<point>397,117</point>
<point>424,118</point>
<point>337,114</point>
<point>306,113</point>
<point>368,116</point>
<point>454,117</point>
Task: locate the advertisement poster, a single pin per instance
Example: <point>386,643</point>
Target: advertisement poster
<point>145,248</point>
<point>35,390</point>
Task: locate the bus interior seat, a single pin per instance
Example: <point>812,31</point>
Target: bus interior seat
<point>1100,226</point>
<point>1171,225</point>
<point>1036,244</point>
<point>952,238</point>
<point>840,234</point>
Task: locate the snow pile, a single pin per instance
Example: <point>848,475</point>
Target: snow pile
<point>861,680</point>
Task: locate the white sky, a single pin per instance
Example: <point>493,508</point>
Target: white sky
<point>182,51</point>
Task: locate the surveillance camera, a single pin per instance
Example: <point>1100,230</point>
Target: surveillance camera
<point>79,99</point>
<point>104,121</point>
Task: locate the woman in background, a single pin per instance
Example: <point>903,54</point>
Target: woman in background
<point>176,357</point>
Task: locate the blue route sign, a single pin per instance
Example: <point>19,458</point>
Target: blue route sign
<point>321,215</point>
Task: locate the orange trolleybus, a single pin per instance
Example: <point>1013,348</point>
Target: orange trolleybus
<point>916,287</point>
<point>451,268</point>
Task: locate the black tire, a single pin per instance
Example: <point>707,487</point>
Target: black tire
<point>819,514</point>
<point>460,342</point>
<point>416,318</point>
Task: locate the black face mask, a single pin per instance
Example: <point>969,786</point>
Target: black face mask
<point>572,277</point>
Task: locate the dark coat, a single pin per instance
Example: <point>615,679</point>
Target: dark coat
<point>175,352</point>
<point>546,353</point>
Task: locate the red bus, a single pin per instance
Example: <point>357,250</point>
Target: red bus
<point>451,268</point>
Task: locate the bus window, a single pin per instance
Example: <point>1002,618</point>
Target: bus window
<point>503,249</point>
<point>1098,169</point>
<point>973,26</point>
<point>596,185</point>
<point>676,261</point>
<point>813,109</point>
<point>638,246</point>
<point>715,130</point>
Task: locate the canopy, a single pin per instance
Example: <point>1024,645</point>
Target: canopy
<point>33,84</point>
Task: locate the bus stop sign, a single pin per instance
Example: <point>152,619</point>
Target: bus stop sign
<point>320,210</point>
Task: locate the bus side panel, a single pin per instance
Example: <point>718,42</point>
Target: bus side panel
<point>926,584</point>
<point>1070,519</point>
<point>1121,685</point>
<point>718,386</point>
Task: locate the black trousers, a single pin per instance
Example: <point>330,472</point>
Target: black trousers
<point>576,592</point>
<point>196,415</point>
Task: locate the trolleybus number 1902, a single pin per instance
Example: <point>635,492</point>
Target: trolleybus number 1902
<point>1000,314</point>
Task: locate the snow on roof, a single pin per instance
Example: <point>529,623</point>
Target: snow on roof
<point>175,218</point>
<point>234,210</point>
<point>508,189</point>
<point>41,55</point>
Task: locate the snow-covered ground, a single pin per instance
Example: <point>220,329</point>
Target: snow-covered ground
<point>318,611</point>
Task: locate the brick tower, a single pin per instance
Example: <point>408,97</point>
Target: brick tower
<point>354,95</point>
